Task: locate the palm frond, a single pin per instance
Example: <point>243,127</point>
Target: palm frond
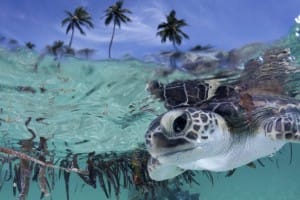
<point>183,34</point>
<point>124,10</point>
<point>108,19</point>
<point>177,39</point>
<point>171,29</point>
<point>117,22</point>
<point>162,25</point>
<point>163,34</point>
<point>117,14</point>
<point>69,13</point>
<point>80,17</point>
<point>181,23</point>
<point>64,21</point>
<point>124,18</point>
<point>87,23</point>
<point>119,4</point>
<point>172,13</point>
<point>79,28</point>
<point>70,26</point>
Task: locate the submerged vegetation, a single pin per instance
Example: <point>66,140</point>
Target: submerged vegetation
<point>111,171</point>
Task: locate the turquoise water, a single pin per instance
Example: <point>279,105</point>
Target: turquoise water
<point>83,106</point>
<point>262,183</point>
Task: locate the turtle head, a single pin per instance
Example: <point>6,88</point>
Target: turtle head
<point>186,135</point>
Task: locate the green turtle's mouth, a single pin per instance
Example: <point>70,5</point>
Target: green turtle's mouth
<point>179,156</point>
<point>167,154</point>
<point>159,145</point>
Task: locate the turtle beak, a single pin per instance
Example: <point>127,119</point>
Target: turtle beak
<point>166,133</point>
<point>158,144</point>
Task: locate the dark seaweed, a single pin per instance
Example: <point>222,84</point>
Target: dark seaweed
<point>110,172</point>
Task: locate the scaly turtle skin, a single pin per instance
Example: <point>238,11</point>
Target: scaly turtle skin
<point>240,123</point>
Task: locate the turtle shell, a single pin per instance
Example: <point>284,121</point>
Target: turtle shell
<point>180,93</point>
<point>268,74</point>
<point>244,102</point>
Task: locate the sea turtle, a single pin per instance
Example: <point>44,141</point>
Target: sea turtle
<point>250,118</point>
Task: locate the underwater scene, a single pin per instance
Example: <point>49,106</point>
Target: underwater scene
<point>172,120</point>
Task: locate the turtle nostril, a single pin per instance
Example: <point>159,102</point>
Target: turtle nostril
<point>180,123</point>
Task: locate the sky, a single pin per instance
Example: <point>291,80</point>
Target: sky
<point>225,24</point>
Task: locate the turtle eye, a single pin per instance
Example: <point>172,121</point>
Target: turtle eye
<point>180,123</point>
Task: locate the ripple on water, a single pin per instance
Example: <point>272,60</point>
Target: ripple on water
<point>97,101</point>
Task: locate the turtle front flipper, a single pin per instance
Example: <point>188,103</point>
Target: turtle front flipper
<point>159,172</point>
<point>284,127</point>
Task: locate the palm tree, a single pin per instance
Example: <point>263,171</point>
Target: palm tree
<point>199,47</point>
<point>79,18</point>
<point>68,50</point>
<point>30,45</point>
<point>86,52</point>
<point>13,41</point>
<point>171,30</point>
<point>117,15</point>
<point>55,49</point>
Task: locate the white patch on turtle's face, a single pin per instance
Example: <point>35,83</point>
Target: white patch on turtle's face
<point>185,135</point>
<point>160,172</point>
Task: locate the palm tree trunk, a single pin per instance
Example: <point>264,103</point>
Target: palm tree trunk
<point>111,40</point>
<point>175,47</point>
<point>71,40</point>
